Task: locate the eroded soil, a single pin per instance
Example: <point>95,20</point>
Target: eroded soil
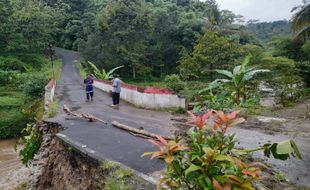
<point>297,121</point>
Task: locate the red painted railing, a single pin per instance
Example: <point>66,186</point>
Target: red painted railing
<point>51,83</point>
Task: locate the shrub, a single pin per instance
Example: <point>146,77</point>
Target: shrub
<point>53,109</point>
<point>32,141</point>
<point>11,63</point>
<point>174,82</point>
<point>288,85</point>
<point>35,86</point>
<point>304,71</point>
<point>206,158</point>
<point>12,122</point>
<point>33,60</point>
<point>9,78</point>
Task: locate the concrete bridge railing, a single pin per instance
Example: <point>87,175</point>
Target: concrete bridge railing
<point>49,94</point>
<point>149,97</point>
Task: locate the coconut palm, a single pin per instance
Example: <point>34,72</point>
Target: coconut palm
<point>238,78</point>
<point>301,21</point>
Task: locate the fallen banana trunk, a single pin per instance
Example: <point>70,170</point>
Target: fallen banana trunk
<point>88,117</point>
<point>142,133</point>
<point>131,130</point>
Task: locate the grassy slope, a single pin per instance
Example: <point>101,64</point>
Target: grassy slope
<point>11,113</point>
<point>15,108</point>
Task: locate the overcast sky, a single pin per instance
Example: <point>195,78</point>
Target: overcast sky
<point>263,10</point>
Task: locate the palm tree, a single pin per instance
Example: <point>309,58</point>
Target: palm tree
<point>301,21</point>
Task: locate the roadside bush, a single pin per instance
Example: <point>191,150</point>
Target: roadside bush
<point>285,80</point>
<point>11,63</point>
<point>35,86</point>
<point>304,71</point>
<point>289,89</point>
<point>9,78</point>
<point>174,82</point>
<point>33,60</point>
<point>12,123</point>
<point>32,141</point>
<point>206,157</point>
<point>191,90</point>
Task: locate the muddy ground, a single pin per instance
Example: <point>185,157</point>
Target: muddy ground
<point>297,121</point>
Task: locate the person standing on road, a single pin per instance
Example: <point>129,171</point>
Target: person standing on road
<point>89,87</point>
<point>116,90</point>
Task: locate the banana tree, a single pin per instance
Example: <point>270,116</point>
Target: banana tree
<point>237,78</point>
<point>102,74</point>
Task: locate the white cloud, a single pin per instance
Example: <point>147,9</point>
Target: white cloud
<point>263,10</point>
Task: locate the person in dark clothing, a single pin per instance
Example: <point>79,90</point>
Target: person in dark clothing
<point>116,90</point>
<point>89,87</point>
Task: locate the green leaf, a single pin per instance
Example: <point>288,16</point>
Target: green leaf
<point>192,168</point>
<point>236,69</point>
<point>208,150</point>
<point>112,70</point>
<point>284,147</point>
<point>223,158</point>
<point>225,72</point>
<point>248,76</point>
<point>246,61</point>
<point>272,149</point>
<point>216,83</point>
<point>294,146</point>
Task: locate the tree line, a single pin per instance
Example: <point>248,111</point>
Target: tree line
<point>151,38</point>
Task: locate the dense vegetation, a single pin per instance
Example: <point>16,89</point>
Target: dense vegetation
<point>189,46</point>
<point>265,31</point>
<point>25,30</point>
<point>22,80</point>
<point>153,39</point>
<point>190,40</point>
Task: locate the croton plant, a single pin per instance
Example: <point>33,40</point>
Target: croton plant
<point>206,158</point>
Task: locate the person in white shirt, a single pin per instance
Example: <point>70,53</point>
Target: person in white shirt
<point>116,90</point>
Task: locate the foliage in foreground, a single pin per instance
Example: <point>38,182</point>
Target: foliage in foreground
<point>207,159</point>
<point>32,141</point>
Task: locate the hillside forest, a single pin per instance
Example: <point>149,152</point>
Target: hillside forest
<point>223,65</point>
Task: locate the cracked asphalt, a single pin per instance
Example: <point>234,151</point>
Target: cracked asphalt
<point>105,141</point>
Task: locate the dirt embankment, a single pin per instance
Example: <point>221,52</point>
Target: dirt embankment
<point>59,166</point>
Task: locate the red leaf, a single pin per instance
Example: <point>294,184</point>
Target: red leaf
<point>221,116</point>
<point>216,185</point>
<point>161,139</point>
<point>233,114</point>
<point>207,115</point>
<point>154,142</point>
<point>192,115</point>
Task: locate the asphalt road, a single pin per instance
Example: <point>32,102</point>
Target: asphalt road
<point>105,141</point>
